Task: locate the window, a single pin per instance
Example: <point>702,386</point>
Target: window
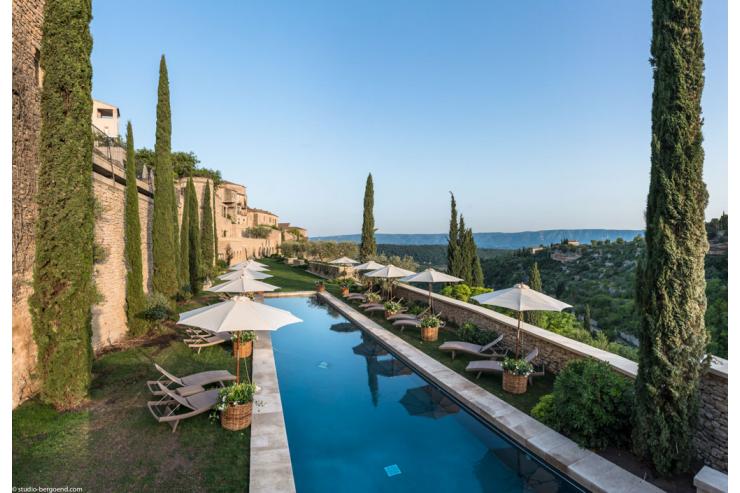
<point>105,113</point>
<point>225,232</point>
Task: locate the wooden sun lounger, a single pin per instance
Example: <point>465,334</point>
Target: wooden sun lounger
<point>175,383</point>
<point>166,409</point>
<point>368,305</point>
<point>356,296</point>
<point>213,340</point>
<point>489,366</point>
<point>487,351</point>
<point>413,322</point>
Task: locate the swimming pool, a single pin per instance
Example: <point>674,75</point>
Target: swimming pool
<point>360,420</point>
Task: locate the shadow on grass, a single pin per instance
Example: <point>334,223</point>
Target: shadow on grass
<point>114,444</point>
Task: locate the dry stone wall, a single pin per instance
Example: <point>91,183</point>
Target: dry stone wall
<point>556,350</point>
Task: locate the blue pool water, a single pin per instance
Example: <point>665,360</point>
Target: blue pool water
<point>359,420</point>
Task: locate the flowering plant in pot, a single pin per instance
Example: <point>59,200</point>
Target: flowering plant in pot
<point>392,307</point>
<point>235,404</point>
<point>319,285</point>
<point>373,297</point>
<point>516,374</point>
<point>243,343</point>
<point>344,284</point>
<point>430,328</point>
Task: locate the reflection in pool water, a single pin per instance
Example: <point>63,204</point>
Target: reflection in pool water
<point>409,436</point>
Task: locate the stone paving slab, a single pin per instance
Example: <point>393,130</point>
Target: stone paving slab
<point>585,467</point>
<point>270,468</point>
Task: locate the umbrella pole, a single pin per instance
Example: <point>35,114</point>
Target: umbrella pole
<point>518,335</point>
<point>236,354</point>
<point>431,308</point>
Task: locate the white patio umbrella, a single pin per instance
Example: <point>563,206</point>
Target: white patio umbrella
<point>344,261</point>
<point>521,298</point>
<point>243,284</point>
<point>390,272</point>
<point>371,265</point>
<point>249,264</point>
<point>236,274</point>
<point>237,314</point>
<point>431,276</point>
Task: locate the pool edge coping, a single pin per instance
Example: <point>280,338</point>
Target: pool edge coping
<point>270,466</point>
<point>586,468</point>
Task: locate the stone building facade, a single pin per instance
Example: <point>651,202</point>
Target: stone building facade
<point>27,78</point>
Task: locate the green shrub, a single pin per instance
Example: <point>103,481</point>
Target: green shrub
<point>234,395</point>
<point>430,321</point>
<point>417,308</point>
<point>544,410</point>
<point>157,307</point>
<point>590,403</point>
<point>458,291</point>
<point>469,332</point>
<point>244,336</point>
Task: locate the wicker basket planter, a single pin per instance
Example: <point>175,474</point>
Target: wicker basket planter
<point>515,384</point>
<point>429,334</point>
<point>245,350</point>
<point>238,417</point>
<point>345,291</point>
<point>320,288</point>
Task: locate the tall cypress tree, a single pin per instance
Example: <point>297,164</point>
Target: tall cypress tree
<point>215,230</point>
<point>368,248</point>
<point>183,259</point>
<point>453,248</point>
<point>464,237</point>
<point>62,277</point>
<point>587,317</point>
<point>164,229</point>
<point>535,282</point>
<point>135,300</point>
<point>206,231</point>
<point>193,240</point>
<point>478,278</point>
<point>671,286</point>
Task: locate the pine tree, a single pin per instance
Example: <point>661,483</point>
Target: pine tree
<point>671,287</point>
<point>464,236</point>
<point>62,278</point>
<point>193,240</point>
<point>183,259</point>
<point>135,299</point>
<point>368,248</point>
<point>535,282</point>
<point>206,231</point>
<point>453,248</point>
<point>164,229</point>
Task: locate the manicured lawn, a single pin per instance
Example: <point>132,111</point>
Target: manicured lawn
<point>289,278</point>
<point>114,444</point>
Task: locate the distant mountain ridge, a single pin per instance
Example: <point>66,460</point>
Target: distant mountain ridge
<point>511,241</point>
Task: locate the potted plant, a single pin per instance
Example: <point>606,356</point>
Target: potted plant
<point>235,404</point>
<point>430,328</point>
<point>516,374</point>
<point>345,284</point>
<point>244,338</point>
<point>391,308</point>
<point>319,285</point>
<point>373,297</point>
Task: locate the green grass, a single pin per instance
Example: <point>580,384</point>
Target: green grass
<point>114,444</point>
<point>492,383</point>
<point>289,278</point>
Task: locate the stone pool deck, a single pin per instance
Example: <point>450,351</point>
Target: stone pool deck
<point>583,466</point>
<point>270,468</point>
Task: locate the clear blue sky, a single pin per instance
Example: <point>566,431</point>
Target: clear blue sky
<point>536,114</point>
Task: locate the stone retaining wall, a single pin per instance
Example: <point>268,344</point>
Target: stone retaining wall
<point>556,350</point>
<point>330,271</point>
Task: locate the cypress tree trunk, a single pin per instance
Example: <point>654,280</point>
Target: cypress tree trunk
<point>670,287</point>
<point>164,229</point>
<point>183,259</point>
<point>535,282</point>
<point>62,278</point>
<point>368,248</point>
<point>135,300</point>
<point>453,249</point>
<point>206,231</point>
<point>193,240</point>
